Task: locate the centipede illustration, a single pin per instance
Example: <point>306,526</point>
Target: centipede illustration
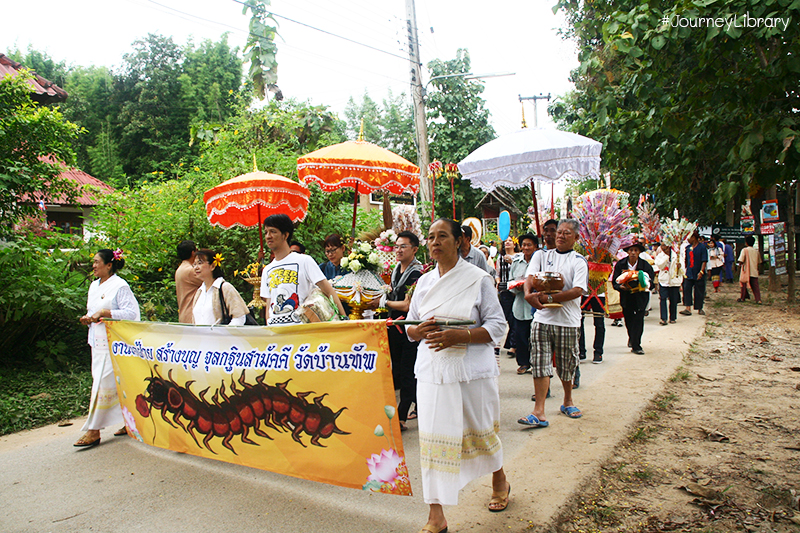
<point>228,415</point>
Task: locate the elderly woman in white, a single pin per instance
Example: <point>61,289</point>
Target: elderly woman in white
<point>109,297</point>
<point>457,394</point>
<point>206,305</point>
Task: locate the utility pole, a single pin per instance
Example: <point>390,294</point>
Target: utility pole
<point>535,110</point>
<point>417,94</point>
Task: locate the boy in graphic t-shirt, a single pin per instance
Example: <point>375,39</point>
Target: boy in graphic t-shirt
<point>288,280</point>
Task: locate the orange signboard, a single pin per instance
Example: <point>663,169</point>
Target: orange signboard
<point>314,401</point>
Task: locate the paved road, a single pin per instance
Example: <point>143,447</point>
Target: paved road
<point>123,485</point>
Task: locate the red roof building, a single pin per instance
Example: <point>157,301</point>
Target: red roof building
<point>74,217</point>
<point>45,91</point>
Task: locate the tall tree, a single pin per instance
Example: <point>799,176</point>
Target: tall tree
<point>153,123</point>
<point>366,115</point>
<point>211,80</point>
<point>458,123</point>
<point>695,100</point>
<point>397,126</point>
<point>34,139</point>
<point>91,105</point>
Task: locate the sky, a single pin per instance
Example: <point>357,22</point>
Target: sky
<point>519,36</point>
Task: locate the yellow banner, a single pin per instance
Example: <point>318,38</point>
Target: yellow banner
<point>314,401</point>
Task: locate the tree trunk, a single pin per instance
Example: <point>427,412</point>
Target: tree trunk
<point>790,244</point>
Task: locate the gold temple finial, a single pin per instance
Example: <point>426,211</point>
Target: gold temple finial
<point>524,124</point>
<point>361,133</point>
<point>255,167</point>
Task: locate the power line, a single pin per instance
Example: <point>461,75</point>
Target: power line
<point>328,33</point>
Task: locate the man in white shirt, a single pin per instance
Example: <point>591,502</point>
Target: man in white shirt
<point>555,330</point>
<point>288,280</point>
<point>469,253</point>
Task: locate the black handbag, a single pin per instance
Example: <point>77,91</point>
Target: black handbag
<point>249,320</point>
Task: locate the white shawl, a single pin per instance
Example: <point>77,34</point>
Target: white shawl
<point>452,297</point>
<point>106,296</point>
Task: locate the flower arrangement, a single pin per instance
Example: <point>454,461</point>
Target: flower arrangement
<point>385,242</point>
<point>649,221</point>
<point>253,270</point>
<point>605,223</point>
<point>676,230</point>
<point>362,257</point>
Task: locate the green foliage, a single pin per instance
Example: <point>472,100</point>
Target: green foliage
<point>93,106</point>
<point>151,127</point>
<point>390,125</point>
<point>28,134</point>
<point>42,64</point>
<point>45,284</point>
<point>261,50</point>
<point>30,399</point>
<point>458,123</point>
<point>708,111</point>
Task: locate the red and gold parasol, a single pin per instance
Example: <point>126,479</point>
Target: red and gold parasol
<point>247,199</point>
<point>364,166</point>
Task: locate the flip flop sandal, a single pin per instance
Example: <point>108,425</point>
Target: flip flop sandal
<point>499,500</point>
<point>532,421</point>
<point>427,528</point>
<point>83,443</point>
<point>121,432</point>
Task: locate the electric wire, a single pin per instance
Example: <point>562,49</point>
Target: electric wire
<point>328,33</point>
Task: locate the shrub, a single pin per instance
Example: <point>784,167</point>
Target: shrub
<point>45,283</point>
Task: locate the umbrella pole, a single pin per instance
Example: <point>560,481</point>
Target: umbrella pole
<point>433,197</point>
<point>260,234</point>
<point>355,208</point>
<point>552,200</point>
<point>536,210</point>
<point>453,195</point>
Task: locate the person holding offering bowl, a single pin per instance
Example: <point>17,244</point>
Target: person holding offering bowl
<point>556,328</point>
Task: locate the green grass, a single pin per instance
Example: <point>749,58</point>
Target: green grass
<point>681,374</point>
<point>30,399</point>
<point>644,474</point>
<point>641,434</point>
<point>601,514</point>
<point>665,402</point>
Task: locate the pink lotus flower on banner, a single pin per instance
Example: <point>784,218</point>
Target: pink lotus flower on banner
<point>383,467</point>
<point>130,423</point>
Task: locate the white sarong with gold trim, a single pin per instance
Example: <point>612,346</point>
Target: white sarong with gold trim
<point>458,407</point>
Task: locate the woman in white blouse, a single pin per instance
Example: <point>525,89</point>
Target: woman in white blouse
<point>206,306</point>
<point>109,297</point>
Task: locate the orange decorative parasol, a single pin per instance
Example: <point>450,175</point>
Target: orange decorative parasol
<point>247,199</point>
<point>364,166</point>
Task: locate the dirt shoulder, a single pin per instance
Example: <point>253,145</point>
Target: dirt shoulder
<point>718,449</point>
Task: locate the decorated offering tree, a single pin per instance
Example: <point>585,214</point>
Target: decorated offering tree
<point>649,222</point>
<point>544,215</point>
<point>605,223</point>
<point>605,227</point>
<point>675,231</point>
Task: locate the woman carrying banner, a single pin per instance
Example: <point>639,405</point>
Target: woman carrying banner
<point>109,297</point>
<point>457,394</point>
<point>206,305</point>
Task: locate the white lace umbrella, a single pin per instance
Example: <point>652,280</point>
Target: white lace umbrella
<point>517,159</point>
